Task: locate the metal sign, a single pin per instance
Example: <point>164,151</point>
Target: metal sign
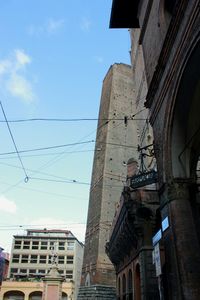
<point>165,224</point>
<point>157,260</point>
<point>157,237</point>
<point>143,179</point>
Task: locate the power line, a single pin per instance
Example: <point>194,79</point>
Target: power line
<point>66,145</point>
<point>132,117</point>
<point>73,181</point>
<point>43,192</point>
<point>74,120</point>
<point>46,148</point>
<point>50,154</point>
<point>35,225</point>
<point>12,137</point>
<point>60,181</point>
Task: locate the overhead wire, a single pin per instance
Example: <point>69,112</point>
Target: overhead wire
<point>13,140</point>
<point>60,154</point>
<point>44,192</point>
<point>66,120</point>
<point>46,148</point>
<point>49,154</point>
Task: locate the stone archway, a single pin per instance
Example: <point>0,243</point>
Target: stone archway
<point>180,199</point>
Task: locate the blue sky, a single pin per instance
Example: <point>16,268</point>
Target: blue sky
<point>54,55</point>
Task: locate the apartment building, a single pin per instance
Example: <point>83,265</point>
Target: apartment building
<point>31,255</point>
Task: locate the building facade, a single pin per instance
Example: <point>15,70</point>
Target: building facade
<point>31,255</point>
<point>30,290</point>
<point>130,244</point>
<point>169,34</point>
<point>4,264</point>
<point>115,133</point>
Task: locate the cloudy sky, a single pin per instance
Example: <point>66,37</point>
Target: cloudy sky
<point>54,55</point>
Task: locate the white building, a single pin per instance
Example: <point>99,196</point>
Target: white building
<point>31,255</point>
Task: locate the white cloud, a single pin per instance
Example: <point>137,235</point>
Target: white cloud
<point>85,25</point>
<point>7,205</point>
<point>13,76</point>
<point>22,58</point>
<point>50,27</point>
<point>78,229</point>
<point>5,66</point>
<point>20,87</point>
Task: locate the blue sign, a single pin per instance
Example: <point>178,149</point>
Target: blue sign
<point>157,237</point>
<point>165,224</point>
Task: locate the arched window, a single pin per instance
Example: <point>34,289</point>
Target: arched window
<point>35,295</point>
<point>64,296</point>
<point>119,288</point>
<point>124,286</point>
<point>11,295</point>
<point>130,285</point>
<point>137,284</point>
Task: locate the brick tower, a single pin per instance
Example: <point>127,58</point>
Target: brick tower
<point>116,133</point>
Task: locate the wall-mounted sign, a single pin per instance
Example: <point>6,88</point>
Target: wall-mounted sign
<point>165,224</point>
<point>143,179</point>
<point>157,237</point>
<point>157,260</point>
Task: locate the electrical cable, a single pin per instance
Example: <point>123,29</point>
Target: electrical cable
<point>12,137</point>
<point>44,192</point>
<point>46,148</point>
<point>50,154</point>
<point>66,120</point>
<point>74,119</point>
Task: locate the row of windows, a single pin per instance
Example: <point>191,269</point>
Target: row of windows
<point>36,272</point>
<point>42,259</point>
<point>43,245</point>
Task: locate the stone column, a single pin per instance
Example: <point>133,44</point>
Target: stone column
<point>52,289</point>
<point>181,242</point>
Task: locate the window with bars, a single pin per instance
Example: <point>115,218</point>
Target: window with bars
<point>17,244</point>
<point>26,245</point>
<point>70,259</point>
<point>44,245</point>
<point>15,258</point>
<point>70,246</point>
<point>33,259</point>
<point>61,246</point>
<point>61,259</point>
<point>42,259</point>
<point>69,274</point>
<point>35,245</point>
<point>24,259</point>
<point>32,271</point>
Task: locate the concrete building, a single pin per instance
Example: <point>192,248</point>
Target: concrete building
<point>31,255</point>
<point>116,133</point>
<point>169,35</point>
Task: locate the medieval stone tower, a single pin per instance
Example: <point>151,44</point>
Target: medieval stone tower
<point>116,133</point>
